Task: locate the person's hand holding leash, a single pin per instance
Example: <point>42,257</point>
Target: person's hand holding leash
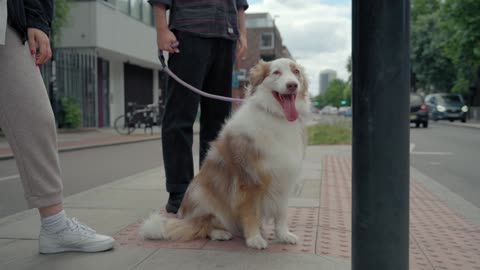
<point>38,38</point>
<point>166,41</point>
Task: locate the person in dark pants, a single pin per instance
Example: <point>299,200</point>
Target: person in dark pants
<point>210,35</point>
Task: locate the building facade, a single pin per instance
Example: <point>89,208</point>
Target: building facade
<point>106,57</point>
<point>325,77</point>
<point>264,42</point>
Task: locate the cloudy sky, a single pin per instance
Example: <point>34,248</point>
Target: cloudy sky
<point>317,32</point>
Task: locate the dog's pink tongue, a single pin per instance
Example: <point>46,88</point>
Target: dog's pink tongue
<point>289,109</point>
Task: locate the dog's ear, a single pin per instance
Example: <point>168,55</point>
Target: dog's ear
<point>304,79</point>
<point>258,73</point>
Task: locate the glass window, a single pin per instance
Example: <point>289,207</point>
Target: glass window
<point>449,99</point>
<point>122,5</point>
<point>266,40</point>
<point>136,9</point>
<point>147,13</point>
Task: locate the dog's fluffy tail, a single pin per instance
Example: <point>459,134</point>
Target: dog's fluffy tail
<point>160,227</point>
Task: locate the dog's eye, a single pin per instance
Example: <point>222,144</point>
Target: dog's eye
<point>277,72</point>
<point>296,71</point>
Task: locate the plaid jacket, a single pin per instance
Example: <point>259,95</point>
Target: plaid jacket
<point>207,18</point>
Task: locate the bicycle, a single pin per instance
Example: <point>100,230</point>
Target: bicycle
<point>138,116</point>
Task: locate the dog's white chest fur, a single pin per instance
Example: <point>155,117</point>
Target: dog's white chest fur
<point>281,143</point>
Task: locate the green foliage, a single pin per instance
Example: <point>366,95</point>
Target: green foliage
<point>60,19</point>
<point>461,22</point>
<point>445,49</point>
<point>70,112</point>
<point>433,70</point>
<point>334,93</point>
<point>338,132</point>
<point>337,91</point>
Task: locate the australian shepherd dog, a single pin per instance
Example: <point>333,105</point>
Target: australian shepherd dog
<point>250,168</point>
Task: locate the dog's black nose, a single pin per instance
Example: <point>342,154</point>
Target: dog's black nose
<point>292,86</point>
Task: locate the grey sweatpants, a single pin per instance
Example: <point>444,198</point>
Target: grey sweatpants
<point>27,120</point>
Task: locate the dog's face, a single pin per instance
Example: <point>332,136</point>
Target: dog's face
<point>281,87</point>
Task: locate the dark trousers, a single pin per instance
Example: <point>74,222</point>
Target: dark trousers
<point>205,63</point>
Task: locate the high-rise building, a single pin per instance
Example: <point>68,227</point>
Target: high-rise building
<point>325,77</point>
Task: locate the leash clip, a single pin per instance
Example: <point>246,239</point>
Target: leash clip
<point>162,59</point>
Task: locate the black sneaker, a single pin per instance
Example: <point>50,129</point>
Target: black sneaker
<point>174,201</point>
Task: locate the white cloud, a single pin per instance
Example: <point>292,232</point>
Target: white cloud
<point>317,33</point>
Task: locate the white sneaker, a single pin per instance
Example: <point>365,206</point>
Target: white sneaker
<point>75,237</point>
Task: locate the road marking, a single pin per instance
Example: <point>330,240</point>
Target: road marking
<point>412,146</point>
<point>15,176</point>
<point>432,153</point>
<point>435,163</point>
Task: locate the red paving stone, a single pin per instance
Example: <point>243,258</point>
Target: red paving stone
<point>302,222</point>
<point>439,238</point>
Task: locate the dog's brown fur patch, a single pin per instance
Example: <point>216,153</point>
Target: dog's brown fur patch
<point>232,184</point>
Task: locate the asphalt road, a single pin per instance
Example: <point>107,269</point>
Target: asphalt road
<point>451,156</point>
<point>84,169</point>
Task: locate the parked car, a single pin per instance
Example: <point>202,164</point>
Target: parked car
<point>329,110</point>
<point>418,111</point>
<point>447,107</point>
<point>342,110</point>
<point>348,113</point>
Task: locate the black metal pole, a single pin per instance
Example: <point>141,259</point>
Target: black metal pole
<point>380,184</point>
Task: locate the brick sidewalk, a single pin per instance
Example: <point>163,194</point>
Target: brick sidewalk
<point>439,238</point>
<point>319,214</point>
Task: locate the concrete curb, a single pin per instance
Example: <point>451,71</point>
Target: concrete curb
<point>454,124</point>
<point>95,145</point>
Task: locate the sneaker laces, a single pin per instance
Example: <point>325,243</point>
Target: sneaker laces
<point>76,225</point>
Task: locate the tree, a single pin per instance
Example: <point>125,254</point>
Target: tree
<point>431,69</point>
<point>337,91</point>
<point>461,22</point>
<point>60,19</point>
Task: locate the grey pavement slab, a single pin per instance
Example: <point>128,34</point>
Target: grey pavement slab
<point>167,259</point>
<point>113,198</point>
<point>23,254</point>
<point>301,202</point>
<point>149,180</point>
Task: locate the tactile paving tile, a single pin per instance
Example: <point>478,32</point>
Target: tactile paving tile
<point>303,222</point>
<point>335,219</point>
<point>129,237</point>
<point>440,239</point>
<point>446,257</point>
<point>418,260</point>
<point>417,191</point>
<point>334,242</point>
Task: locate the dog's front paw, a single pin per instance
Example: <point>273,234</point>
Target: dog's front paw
<point>220,235</point>
<point>257,242</point>
<point>287,237</point>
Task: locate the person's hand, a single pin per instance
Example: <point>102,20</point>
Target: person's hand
<point>38,39</point>
<point>166,41</point>
<point>241,47</point>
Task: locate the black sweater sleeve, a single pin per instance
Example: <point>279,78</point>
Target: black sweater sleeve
<point>39,14</point>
